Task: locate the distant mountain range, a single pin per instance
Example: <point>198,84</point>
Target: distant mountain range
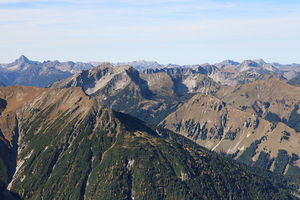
<point>33,73</point>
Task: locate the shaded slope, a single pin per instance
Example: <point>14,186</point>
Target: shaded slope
<point>295,81</point>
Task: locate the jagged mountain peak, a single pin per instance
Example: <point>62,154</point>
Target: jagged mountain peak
<point>22,59</point>
<point>105,77</point>
<point>20,64</point>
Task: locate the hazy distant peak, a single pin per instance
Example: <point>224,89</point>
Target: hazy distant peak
<point>232,62</point>
<point>227,64</point>
<point>141,64</point>
<point>260,61</point>
<point>250,63</point>
<point>22,59</point>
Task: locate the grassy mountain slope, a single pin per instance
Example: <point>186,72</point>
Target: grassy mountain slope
<point>273,100</point>
<point>217,126</point>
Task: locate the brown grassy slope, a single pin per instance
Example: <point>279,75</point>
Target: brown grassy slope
<point>263,97</point>
<point>220,127</point>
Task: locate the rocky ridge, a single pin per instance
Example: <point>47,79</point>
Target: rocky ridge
<point>148,96</point>
<point>273,100</point>
<point>216,125</point>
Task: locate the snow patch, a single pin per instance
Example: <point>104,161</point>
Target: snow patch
<point>184,176</point>
<point>46,148</point>
<point>19,165</point>
<point>130,164</point>
<point>217,144</point>
<point>28,156</point>
<point>23,178</point>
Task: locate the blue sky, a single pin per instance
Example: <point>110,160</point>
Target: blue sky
<point>168,31</point>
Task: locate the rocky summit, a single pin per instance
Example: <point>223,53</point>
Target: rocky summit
<point>148,96</point>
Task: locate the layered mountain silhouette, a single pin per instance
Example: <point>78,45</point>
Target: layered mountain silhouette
<point>87,134</point>
<point>33,73</point>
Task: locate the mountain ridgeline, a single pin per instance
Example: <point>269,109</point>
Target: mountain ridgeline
<point>79,138</point>
<point>150,97</point>
<point>63,144</point>
<point>34,73</point>
<point>255,123</point>
<point>244,136</point>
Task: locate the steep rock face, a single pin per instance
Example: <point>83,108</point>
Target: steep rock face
<point>104,77</point>
<point>70,146</point>
<point>148,96</point>
<point>272,99</point>
<point>213,124</point>
<point>295,81</point>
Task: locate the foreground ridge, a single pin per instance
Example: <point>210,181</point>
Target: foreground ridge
<point>66,145</point>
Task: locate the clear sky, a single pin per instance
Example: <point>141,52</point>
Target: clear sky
<point>167,31</point>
